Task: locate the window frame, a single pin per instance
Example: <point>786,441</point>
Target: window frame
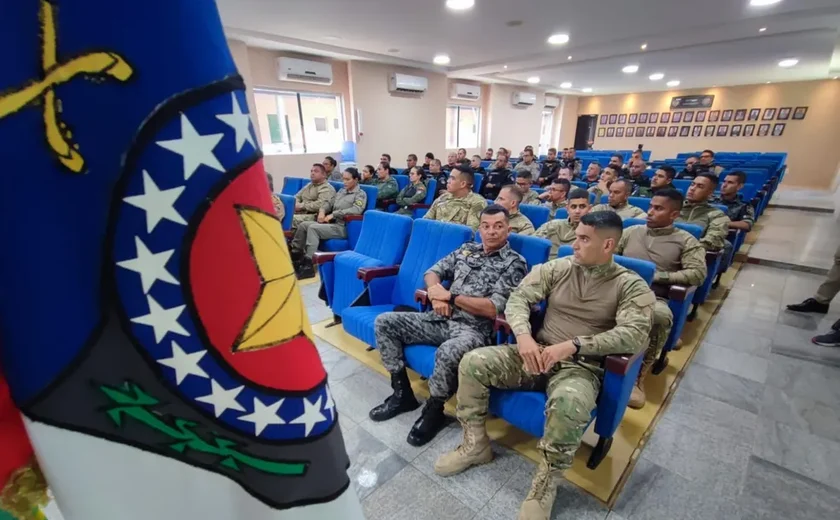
<point>458,108</point>
<point>306,93</point>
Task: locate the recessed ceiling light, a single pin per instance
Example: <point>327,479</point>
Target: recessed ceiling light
<point>643,46</point>
<point>441,59</point>
<point>789,62</point>
<point>558,39</point>
<point>673,83</point>
<point>630,69</point>
<point>534,80</point>
<point>587,89</point>
<point>505,66</point>
<point>762,3</point>
<point>656,76</point>
<point>569,58</point>
<point>565,84</point>
<point>762,29</point>
<point>459,5</point>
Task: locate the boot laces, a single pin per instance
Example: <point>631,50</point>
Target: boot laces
<point>541,486</point>
<point>468,443</point>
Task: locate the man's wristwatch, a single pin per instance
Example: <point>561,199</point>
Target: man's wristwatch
<point>576,343</point>
<point>452,299</point>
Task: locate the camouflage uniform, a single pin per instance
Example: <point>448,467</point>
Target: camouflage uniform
<point>597,191</point>
<point>607,307</point>
<point>411,194</point>
<point>310,233</point>
<point>313,197</point>
<point>624,211</point>
<point>737,209</point>
<point>532,197</point>
<point>464,210</point>
<point>648,192</point>
<point>386,189</point>
<point>279,208</point>
<point>473,273</point>
<point>336,175</point>
<point>520,224</point>
<point>560,232</point>
<point>533,168</point>
<point>679,259</point>
<point>714,222</point>
<point>554,206</point>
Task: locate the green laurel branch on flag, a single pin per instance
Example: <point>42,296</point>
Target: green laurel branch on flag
<point>131,401</point>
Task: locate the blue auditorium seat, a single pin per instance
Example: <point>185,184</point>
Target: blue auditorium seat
<point>419,210</point>
<point>535,250</point>
<point>580,184</point>
<point>338,185</point>
<point>292,185</point>
<point>538,215</point>
<point>561,213</point>
<point>353,223</point>
<point>479,179</point>
<point>289,206</point>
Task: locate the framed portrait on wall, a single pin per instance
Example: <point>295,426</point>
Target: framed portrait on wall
<point>642,119</point>
<point>697,131</point>
<point>769,114</point>
<point>710,131</point>
<point>799,113</point>
<point>754,114</point>
<point>666,118</point>
<point>619,132</point>
<point>603,119</point>
<point>736,131</point>
<point>722,130</point>
<point>688,116</point>
<point>640,131</point>
<point>685,130</point>
<point>749,130</point>
<point>650,132</point>
<point>631,131</point>
<point>611,132</point>
<point>662,131</point>
<point>784,113</point>
<point>613,119</point>
<point>676,117</point>
<point>602,132</point>
<point>740,114</point>
<point>633,118</point>
<point>673,130</point>
<point>714,115</point>
<point>622,119</point>
<point>700,117</point>
<point>778,129</point>
<point>726,115</point>
<point>763,129</point>
<point>653,117</point>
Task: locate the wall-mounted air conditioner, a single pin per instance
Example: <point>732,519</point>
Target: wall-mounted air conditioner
<point>304,71</point>
<point>552,101</point>
<point>465,91</point>
<point>409,84</point>
<point>524,99</point>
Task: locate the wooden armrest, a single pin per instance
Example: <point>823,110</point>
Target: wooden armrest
<point>421,297</point>
<point>678,293</point>
<point>323,257</point>
<point>352,218</point>
<point>501,324</point>
<point>367,274</point>
<point>386,202</point>
<point>620,364</point>
<point>419,206</point>
<point>288,233</point>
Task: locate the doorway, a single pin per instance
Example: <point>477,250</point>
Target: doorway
<point>585,131</point>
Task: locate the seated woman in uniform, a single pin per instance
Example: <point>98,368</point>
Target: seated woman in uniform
<point>414,193</point>
<point>350,200</point>
<point>368,175</point>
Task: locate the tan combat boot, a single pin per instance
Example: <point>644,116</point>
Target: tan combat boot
<point>678,345</point>
<point>538,503</point>
<point>473,451</point>
<point>637,396</point>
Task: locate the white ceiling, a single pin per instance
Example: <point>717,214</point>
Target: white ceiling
<point>714,42</point>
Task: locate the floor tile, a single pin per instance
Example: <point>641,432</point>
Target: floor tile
<point>723,386</point>
<point>732,361</point>
<point>360,392</point>
<point>339,366</point>
<point>805,379</point>
<point>713,417</point>
<point>799,451</point>
<point>801,412</point>
<point>410,495</point>
<point>372,464</point>
<point>736,337</point>
<point>795,341</point>
<point>394,432</point>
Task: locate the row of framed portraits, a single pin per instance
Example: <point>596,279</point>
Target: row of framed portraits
<point>700,116</point>
<point>748,130</point>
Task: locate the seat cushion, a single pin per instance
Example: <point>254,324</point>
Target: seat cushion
<point>358,321</point>
<point>347,265</point>
<point>421,359</point>
<point>521,408</point>
<point>335,245</point>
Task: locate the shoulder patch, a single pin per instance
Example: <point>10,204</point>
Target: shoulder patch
<point>645,299</point>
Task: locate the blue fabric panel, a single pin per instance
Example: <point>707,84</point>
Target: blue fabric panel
<point>479,178</point>
<point>534,249</point>
<point>289,206</point>
<point>563,213</point>
<point>680,311</point>
<point>538,215</point>
<point>381,289</point>
<point>703,291</point>
<point>580,184</point>
<point>327,274</point>
<point>372,192</point>
<point>682,184</point>
<point>402,181</point>
<point>421,359</point>
<point>292,185</point>
<point>431,189</point>
<point>643,268</point>
<point>378,225</point>
<point>612,402</point>
<point>358,322</point>
<point>694,229</point>
<point>334,245</point>
<point>350,287</point>
<point>337,185</point>
<point>521,408</point>
<point>642,203</point>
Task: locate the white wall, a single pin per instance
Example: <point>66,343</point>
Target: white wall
<point>510,126</point>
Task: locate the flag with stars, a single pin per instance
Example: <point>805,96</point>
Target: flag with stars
<point>152,330</point>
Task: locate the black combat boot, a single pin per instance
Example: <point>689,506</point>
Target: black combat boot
<point>809,305</point>
<point>431,421</point>
<point>401,401</point>
<point>306,269</point>
<point>296,256</point>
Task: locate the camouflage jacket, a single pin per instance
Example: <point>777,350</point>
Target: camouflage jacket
<point>463,210</point>
<point>279,208</point>
<point>336,175</point>
<point>554,206</point>
<point>532,197</point>
<point>607,307</point>
<point>648,192</point>
<point>597,191</point>
<point>714,222</point>
<point>679,257</point>
<point>624,211</point>
<point>519,223</point>
<point>346,203</point>
<point>387,189</point>
<point>534,168</point>
<point>560,232</point>
<point>477,274</point>
<point>314,197</point>
<point>738,210</point>
<point>412,194</point>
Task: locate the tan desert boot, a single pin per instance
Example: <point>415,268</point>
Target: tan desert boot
<point>538,503</point>
<point>637,397</point>
<point>473,451</point>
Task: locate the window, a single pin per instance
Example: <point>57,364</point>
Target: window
<point>296,122</point>
<point>462,126</point>
<point>545,131</point>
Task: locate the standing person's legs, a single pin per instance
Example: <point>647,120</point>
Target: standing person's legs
<point>825,293</point>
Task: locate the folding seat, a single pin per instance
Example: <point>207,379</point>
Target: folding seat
<point>353,223</point>
<point>486,164</point>
<point>479,179</point>
<point>535,250</point>
<point>563,213</point>
<point>420,209</point>
<point>292,185</point>
<point>538,215</point>
<point>579,184</point>
<point>289,206</point>
<point>682,185</point>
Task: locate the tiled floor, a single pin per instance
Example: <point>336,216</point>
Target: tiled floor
<point>804,198</point>
<point>794,238</point>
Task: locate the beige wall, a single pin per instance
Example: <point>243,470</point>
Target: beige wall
<point>510,126</point>
<point>811,144</point>
<point>565,122</point>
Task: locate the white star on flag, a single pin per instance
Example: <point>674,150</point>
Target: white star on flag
<point>311,416</point>
<point>162,320</point>
<point>158,204</point>
<point>184,364</point>
<point>150,266</point>
<point>196,149</point>
<point>263,415</point>
<point>241,124</point>
<point>222,399</point>
<point>330,404</point>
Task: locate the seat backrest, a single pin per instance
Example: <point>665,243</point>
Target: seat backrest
<point>634,222</point>
<point>694,229</point>
<point>580,184</point>
<point>289,206</point>
<point>538,215</point>
<point>402,181</point>
<point>682,184</point>
<point>379,224</point>
<point>479,179</point>
<point>535,250</point>
<point>561,213</point>
<point>643,268</point>
<point>337,185</point>
<point>431,189</point>
<point>292,185</point>
<point>371,192</point>
<point>643,203</point>
<point>430,241</point>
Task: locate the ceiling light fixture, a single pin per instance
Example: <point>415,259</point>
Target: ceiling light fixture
<point>505,66</point>
<point>630,69</point>
<point>656,76</point>
<point>762,29</point>
<point>673,83</point>
<point>587,89</point>
<point>565,84</point>
<point>644,46</point>
<point>533,80</point>
<point>569,58</point>
<point>441,59</point>
<point>558,39</point>
<point>460,5</point>
<point>763,3</point>
<point>789,62</point>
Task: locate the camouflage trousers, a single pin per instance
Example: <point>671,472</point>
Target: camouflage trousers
<point>572,393</point>
<point>394,330</point>
<point>302,217</point>
<point>663,320</point>
<point>831,286</point>
<point>309,235</point>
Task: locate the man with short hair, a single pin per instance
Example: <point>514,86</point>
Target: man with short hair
<point>689,172</point>
<point>617,161</point>
<point>662,179</point>
<point>459,204</point>
<point>564,172</point>
<point>608,175</point>
<point>617,201</point>
<point>555,196</point>
<point>593,174</point>
<point>741,214</point>
<point>571,162</point>
<point>706,164</point>
<point>510,198</point>
<point>313,196</point>
<point>476,166</point>
<point>410,162</point>
<point>488,155</point>
<point>451,162</point>
<point>333,173</point>
<point>637,174</point>
<point>528,164</point>
<point>496,178</point>
<point>697,210</point>
<point>595,308</point>
<point>427,160</point>
<point>462,318</point>
<point>462,154</point>
<point>548,172</point>
<point>523,182</point>
<point>680,260</point>
<point>561,232</point>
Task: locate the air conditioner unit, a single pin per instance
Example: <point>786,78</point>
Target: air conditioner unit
<point>552,101</point>
<point>524,99</point>
<point>405,83</point>
<point>305,71</point>
<point>465,91</point>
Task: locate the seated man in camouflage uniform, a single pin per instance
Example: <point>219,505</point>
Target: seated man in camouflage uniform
<point>510,199</point>
<point>662,179</point>
<point>617,201</point>
<point>387,188</point>
<point>350,200</point>
<point>459,205</point>
<point>561,232</point>
<point>595,308</point>
<point>555,196</point>
<point>593,174</point>
<point>697,210</point>
<point>311,197</point>
<point>741,213</point>
<point>462,319</point>
<point>523,182</point>
<point>679,259</point>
